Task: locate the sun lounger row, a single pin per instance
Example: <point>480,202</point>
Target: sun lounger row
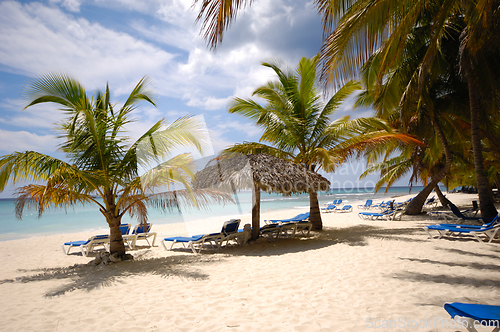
<point>197,242</point>
<point>138,233</point>
<point>275,228</point>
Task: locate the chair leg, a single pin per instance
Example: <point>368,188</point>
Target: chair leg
<point>64,250</point>
<point>428,232</point>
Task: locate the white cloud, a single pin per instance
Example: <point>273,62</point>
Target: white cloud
<point>36,39</point>
<point>23,141</point>
<point>39,116</point>
<point>71,5</point>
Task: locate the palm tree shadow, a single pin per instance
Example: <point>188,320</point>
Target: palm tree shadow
<point>354,236</point>
<point>88,277</point>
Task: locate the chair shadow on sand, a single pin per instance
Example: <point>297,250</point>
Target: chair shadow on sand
<point>354,236</point>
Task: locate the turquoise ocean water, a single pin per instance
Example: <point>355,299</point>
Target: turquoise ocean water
<point>88,217</point>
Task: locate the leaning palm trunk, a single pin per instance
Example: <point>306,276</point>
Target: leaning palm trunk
<point>486,199</point>
<point>416,204</point>
<point>314,212</point>
<point>443,200</point>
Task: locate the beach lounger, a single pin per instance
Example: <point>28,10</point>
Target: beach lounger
<point>491,223</point>
<point>472,316</point>
<point>87,246</point>
<point>197,242</point>
<point>139,234</point>
<point>299,217</point>
<point>367,204</point>
<point>384,205</point>
<point>490,231</point>
<point>430,203</point>
<point>271,230</point>
<point>387,214</point>
<point>329,208</point>
<point>345,208</point>
<point>287,227</point>
<point>460,215</point>
<point>95,241</point>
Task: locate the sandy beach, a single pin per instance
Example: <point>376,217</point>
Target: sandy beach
<point>356,275</point>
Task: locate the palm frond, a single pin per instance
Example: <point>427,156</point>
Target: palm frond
<point>40,197</point>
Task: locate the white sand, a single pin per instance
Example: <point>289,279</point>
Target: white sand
<point>354,276</point>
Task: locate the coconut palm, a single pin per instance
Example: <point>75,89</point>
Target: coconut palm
<point>401,101</point>
<point>102,162</point>
<point>298,127</point>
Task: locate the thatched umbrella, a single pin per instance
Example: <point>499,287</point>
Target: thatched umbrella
<point>259,172</point>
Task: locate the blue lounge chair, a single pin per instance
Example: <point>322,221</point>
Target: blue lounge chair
<point>299,217</point>
<point>388,214</point>
<point>471,315</point>
<point>384,205</point>
<point>196,242</point>
<point>291,226</point>
<point>460,215</point>
<point>329,208</point>
<point>490,230</point>
<point>98,240</point>
<point>491,223</point>
<point>367,204</point>
<point>345,208</point>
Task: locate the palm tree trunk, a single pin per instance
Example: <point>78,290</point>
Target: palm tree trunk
<point>443,200</point>
<point>486,199</point>
<point>116,245</point>
<point>416,204</point>
<point>314,212</point>
<point>255,212</point>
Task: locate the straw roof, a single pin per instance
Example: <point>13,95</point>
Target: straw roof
<point>268,173</point>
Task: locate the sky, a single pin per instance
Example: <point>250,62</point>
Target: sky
<point>120,41</point>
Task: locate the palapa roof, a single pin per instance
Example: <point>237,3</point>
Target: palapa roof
<point>267,172</point>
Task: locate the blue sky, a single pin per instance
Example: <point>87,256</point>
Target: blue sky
<point>120,41</point>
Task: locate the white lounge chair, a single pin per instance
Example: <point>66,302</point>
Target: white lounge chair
<point>88,246</point>
<point>138,233</point>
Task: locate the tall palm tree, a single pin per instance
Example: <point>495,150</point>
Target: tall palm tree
<point>298,127</point>
<point>102,162</point>
<point>401,100</point>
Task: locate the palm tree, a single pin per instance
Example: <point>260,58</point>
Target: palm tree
<point>297,125</point>
<point>102,163</point>
<point>402,101</point>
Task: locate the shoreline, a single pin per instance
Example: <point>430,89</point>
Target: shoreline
<point>353,276</point>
